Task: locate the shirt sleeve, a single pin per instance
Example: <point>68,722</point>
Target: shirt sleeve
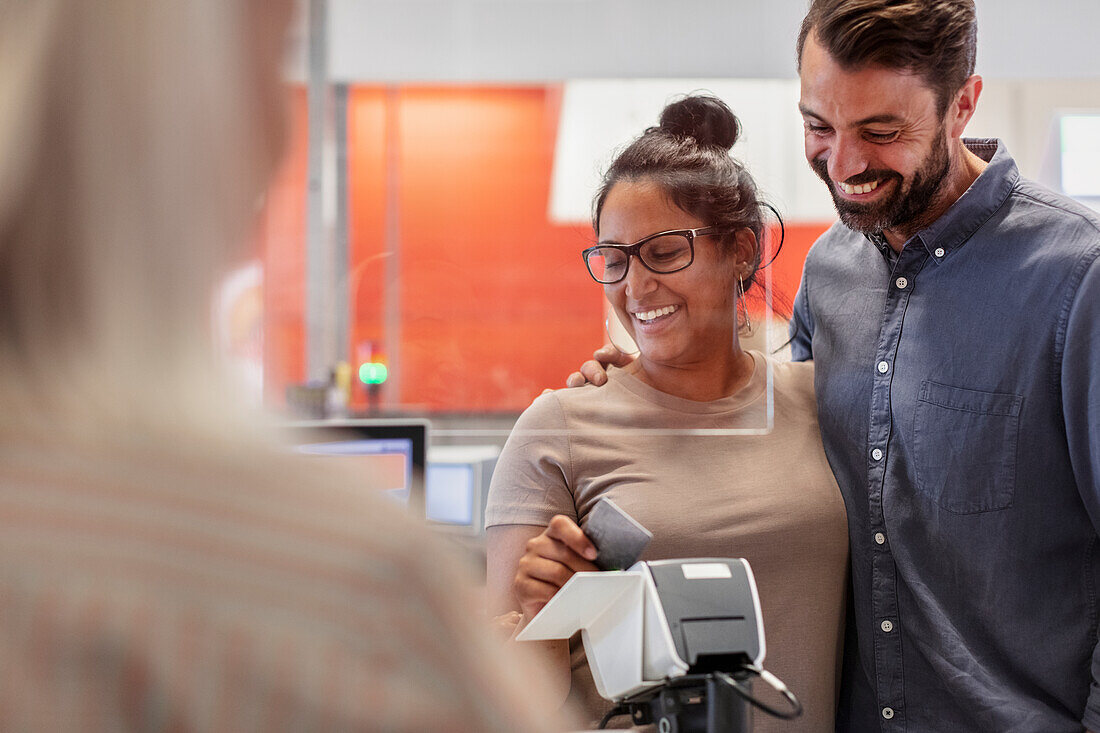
<point>802,325</point>
<point>1081,405</point>
<point>533,479</point>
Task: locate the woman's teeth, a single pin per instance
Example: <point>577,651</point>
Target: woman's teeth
<point>651,315</point>
<point>862,188</point>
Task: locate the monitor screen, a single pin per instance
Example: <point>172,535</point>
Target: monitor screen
<point>450,493</point>
<point>1080,155</point>
<point>389,454</point>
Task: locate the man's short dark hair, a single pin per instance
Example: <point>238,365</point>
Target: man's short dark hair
<point>935,39</point>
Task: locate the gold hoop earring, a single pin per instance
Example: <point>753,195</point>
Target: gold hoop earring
<point>742,306</point>
<point>607,330</point>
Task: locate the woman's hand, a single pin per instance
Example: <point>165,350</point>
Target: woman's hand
<point>523,570</point>
<point>549,560</point>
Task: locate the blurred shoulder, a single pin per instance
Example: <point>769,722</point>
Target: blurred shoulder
<point>265,555</point>
<point>560,406</point>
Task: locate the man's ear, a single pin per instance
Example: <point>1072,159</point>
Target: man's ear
<point>963,106</point>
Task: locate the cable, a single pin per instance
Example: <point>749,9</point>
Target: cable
<point>612,713</point>
<point>774,682</point>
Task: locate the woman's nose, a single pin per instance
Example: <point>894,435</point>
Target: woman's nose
<point>639,279</point>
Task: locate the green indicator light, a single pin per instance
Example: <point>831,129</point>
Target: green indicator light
<point>373,372</point>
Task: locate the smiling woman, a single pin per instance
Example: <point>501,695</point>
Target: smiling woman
<point>680,226</point>
<point>684,321</point>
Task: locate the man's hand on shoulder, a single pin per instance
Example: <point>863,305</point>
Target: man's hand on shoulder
<point>595,370</point>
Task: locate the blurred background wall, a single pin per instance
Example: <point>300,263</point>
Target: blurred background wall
<point>444,154</point>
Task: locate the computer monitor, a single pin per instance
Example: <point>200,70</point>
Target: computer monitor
<point>390,452</point>
<point>457,487</point>
<point>1080,154</point>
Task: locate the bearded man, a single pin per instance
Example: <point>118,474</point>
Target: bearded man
<point>953,317</point>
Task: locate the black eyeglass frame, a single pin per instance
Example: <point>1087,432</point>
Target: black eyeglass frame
<point>635,250</point>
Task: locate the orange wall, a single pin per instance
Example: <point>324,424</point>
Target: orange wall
<point>787,267</point>
<point>495,304</point>
<point>367,246</point>
<point>282,244</point>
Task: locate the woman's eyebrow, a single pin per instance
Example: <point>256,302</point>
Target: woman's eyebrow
<point>648,236</point>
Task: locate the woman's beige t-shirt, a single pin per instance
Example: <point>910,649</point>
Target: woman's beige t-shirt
<point>768,498</point>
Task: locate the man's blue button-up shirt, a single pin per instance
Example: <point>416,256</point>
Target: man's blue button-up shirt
<point>958,387</point>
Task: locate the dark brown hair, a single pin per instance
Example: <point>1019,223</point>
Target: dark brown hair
<point>935,39</point>
<point>687,155</point>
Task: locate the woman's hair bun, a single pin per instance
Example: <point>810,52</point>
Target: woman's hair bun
<point>705,118</point>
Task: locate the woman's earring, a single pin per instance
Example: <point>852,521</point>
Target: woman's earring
<point>742,306</point>
<point>607,330</point>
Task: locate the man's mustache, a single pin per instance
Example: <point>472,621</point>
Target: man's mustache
<point>820,165</point>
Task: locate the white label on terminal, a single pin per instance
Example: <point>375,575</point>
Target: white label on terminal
<point>698,570</point>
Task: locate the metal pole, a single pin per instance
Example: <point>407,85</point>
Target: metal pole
<point>318,250</point>
<point>340,262</point>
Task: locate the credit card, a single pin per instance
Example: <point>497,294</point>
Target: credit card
<point>618,537</point>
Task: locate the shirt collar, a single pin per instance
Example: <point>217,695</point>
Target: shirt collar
<point>879,240</point>
<point>979,202</point>
<point>986,194</point>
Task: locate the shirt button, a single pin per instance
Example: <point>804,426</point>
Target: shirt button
<point>939,252</point>
<point>877,454</point>
<point>901,282</point>
<point>887,626</point>
<point>880,538</point>
<point>883,367</point>
<point>888,713</point>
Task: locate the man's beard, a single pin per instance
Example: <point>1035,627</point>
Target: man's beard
<point>903,210</point>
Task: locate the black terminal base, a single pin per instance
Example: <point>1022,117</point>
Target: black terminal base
<point>694,704</point>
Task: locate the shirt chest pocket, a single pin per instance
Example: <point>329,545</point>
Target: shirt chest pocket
<point>965,447</point>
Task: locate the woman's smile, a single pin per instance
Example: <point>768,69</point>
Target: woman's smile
<point>649,316</point>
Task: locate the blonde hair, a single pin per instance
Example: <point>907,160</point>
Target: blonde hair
<point>134,142</point>
<point>128,167</point>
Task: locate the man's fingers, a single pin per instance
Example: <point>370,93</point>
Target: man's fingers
<point>566,531</point>
<point>594,372</point>
<point>576,379</point>
<point>608,355</point>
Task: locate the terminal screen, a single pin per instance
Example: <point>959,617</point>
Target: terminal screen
<point>388,462</point>
<point>449,496</point>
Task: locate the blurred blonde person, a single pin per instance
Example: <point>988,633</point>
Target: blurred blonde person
<point>160,566</point>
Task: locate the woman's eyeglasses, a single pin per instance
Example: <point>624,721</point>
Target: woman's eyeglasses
<point>662,253</point>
